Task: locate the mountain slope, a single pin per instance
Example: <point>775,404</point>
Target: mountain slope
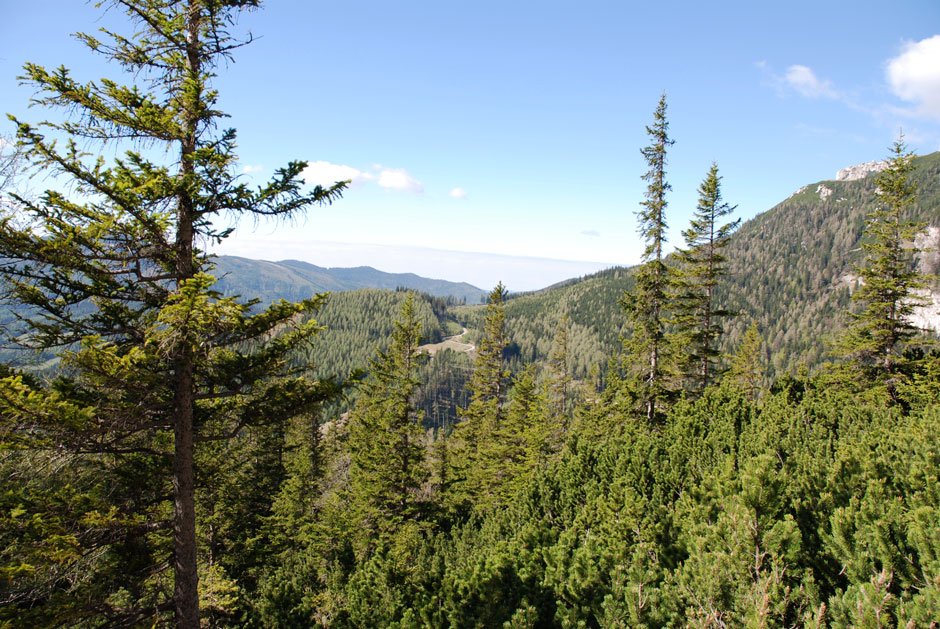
<point>793,267</point>
<point>791,272</point>
<point>295,280</point>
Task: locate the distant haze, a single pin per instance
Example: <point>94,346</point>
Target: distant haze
<point>483,270</point>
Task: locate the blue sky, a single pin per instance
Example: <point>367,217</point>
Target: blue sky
<point>510,131</point>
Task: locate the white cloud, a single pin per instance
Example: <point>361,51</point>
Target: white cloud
<point>593,233</point>
<point>399,179</point>
<point>804,80</point>
<point>326,174</point>
<point>914,75</point>
<point>249,168</point>
<point>458,193</point>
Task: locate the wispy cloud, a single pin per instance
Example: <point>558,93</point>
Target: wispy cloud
<point>593,233</point>
<point>252,168</point>
<point>799,79</point>
<point>804,81</point>
<point>458,193</point>
<point>914,76</point>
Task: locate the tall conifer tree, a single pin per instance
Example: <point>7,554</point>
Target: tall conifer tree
<point>385,436</point>
<point>648,305</point>
<point>889,278</point>
<point>559,383</point>
<point>475,454</point>
<point>703,265</point>
<point>523,442</point>
<point>157,361</point>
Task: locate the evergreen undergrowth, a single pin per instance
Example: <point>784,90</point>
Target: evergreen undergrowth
<point>814,506</point>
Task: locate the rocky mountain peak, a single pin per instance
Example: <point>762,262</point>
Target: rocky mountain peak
<point>860,171</point>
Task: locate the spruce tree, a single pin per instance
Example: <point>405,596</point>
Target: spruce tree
<point>524,441</point>
<point>698,316</point>
<point>474,454</point>
<point>386,441</point>
<point>648,305</point>
<point>746,369</point>
<point>559,383</point>
<point>488,383</point>
<point>154,360</point>
<point>889,279</point>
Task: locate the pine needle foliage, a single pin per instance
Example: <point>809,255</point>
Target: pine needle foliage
<point>110,274</point>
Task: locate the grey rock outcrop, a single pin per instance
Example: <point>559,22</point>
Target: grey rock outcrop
<point>860,171</point>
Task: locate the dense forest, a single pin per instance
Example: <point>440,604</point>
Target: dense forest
<point>743,433</point>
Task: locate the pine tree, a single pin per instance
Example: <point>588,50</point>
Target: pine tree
<point>387,452</point>
<point>488,383</point>
<point>648,305</point>
<point>877,336</point>
<point>473,453</point>
<point>155,360</point>
<point>559,384</point>
<point>747,368</point>
<point>703,266</point>
<point>524,441</point>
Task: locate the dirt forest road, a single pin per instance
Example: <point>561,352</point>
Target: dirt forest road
<point>450,342</point>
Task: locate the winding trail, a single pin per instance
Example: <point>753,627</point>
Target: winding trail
<point>449,342</point>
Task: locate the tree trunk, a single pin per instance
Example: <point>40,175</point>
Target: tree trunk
<point>186,589</point>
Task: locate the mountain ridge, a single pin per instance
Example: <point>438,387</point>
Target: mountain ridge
<point>295,280</point>
<point>790,272</point>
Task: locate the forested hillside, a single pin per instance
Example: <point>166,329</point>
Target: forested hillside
<point>596,322</point>
<point>790,271</point>
<point>793,268</point>
<point>357,322</point>
<point>811,508</point>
